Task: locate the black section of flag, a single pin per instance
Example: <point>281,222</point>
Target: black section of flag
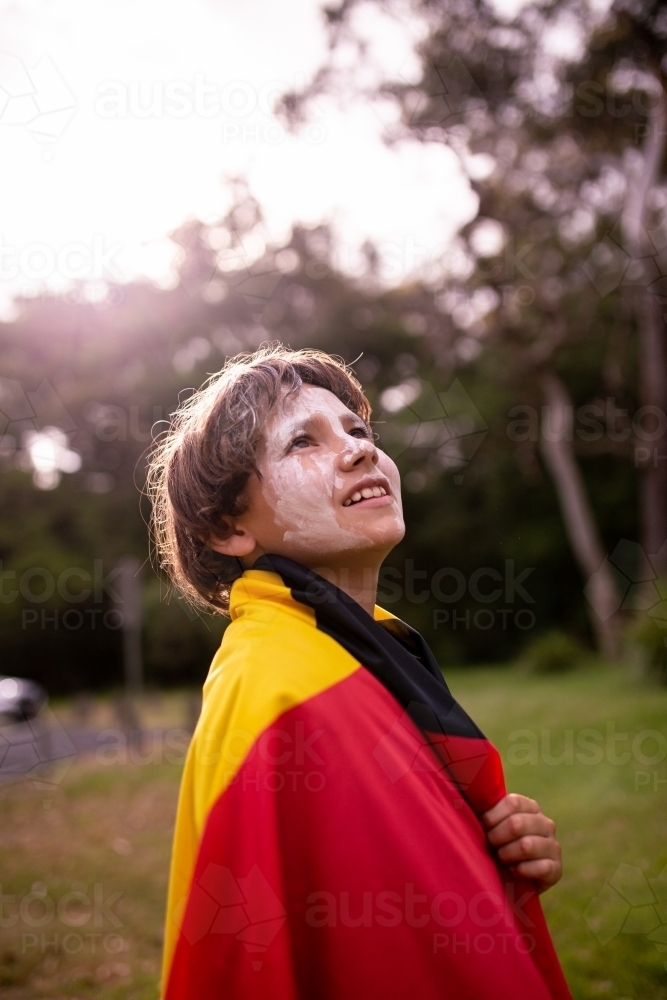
<point>392,651</point>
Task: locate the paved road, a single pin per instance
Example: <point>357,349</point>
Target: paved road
<point>43,749</point>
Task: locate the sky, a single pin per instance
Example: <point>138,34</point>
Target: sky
<point>120,120</point>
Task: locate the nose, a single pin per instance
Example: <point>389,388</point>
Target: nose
<point>357,452</point>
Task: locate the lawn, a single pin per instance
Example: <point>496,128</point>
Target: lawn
<point>84,851</point>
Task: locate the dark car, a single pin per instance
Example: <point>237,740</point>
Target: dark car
<point>20,699</point>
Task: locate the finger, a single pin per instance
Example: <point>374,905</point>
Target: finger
<point>512,803</point>
<point>546,871</point>
<point>529,848</point>
<point>519,825</point>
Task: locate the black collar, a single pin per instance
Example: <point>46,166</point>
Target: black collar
<point>392,651</point>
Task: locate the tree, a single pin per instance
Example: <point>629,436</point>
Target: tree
<point>546,114</point>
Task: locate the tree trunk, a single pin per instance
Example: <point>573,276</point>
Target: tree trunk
<point>650,456</point>
<point>653,388</point>
<point>558,454</point>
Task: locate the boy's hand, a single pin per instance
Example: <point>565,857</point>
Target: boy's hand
<point>525,839</point>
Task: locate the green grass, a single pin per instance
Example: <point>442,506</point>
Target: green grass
<point>608,813</point>
<point>110,825</point>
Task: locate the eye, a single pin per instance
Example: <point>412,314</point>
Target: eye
<point>360,431</point>
<point>301,441</point>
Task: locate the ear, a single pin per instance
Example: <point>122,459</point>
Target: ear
<point>240,543</point>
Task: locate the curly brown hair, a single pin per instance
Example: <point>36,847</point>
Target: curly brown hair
<point>199,468</point>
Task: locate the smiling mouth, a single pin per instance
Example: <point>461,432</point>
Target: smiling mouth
<point>368,493</point>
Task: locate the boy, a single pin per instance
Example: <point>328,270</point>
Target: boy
<point>343,829</point>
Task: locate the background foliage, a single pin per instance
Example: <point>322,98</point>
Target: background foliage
<point>552,296</point>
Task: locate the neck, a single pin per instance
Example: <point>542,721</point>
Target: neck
<point>359,582</point>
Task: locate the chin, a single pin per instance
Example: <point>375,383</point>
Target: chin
<point>384,538</point>
<point>385,530</point>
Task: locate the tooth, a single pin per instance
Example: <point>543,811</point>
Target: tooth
<point>377,492</point>
<point>367,493</point>
<point>346,503</point>
<point>355,496</point>
<point>383,491</point>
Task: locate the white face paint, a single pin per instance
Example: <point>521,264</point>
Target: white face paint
<point>317,456</point>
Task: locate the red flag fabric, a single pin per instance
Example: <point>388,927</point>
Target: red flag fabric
<point>327,843</point>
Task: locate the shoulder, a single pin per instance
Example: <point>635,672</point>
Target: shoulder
<point>270,661</point>
<point>275,655</point>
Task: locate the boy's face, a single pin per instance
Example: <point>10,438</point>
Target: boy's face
<point>317,457</point>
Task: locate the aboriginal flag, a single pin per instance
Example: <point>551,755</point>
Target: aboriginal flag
<point>327,842</point>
